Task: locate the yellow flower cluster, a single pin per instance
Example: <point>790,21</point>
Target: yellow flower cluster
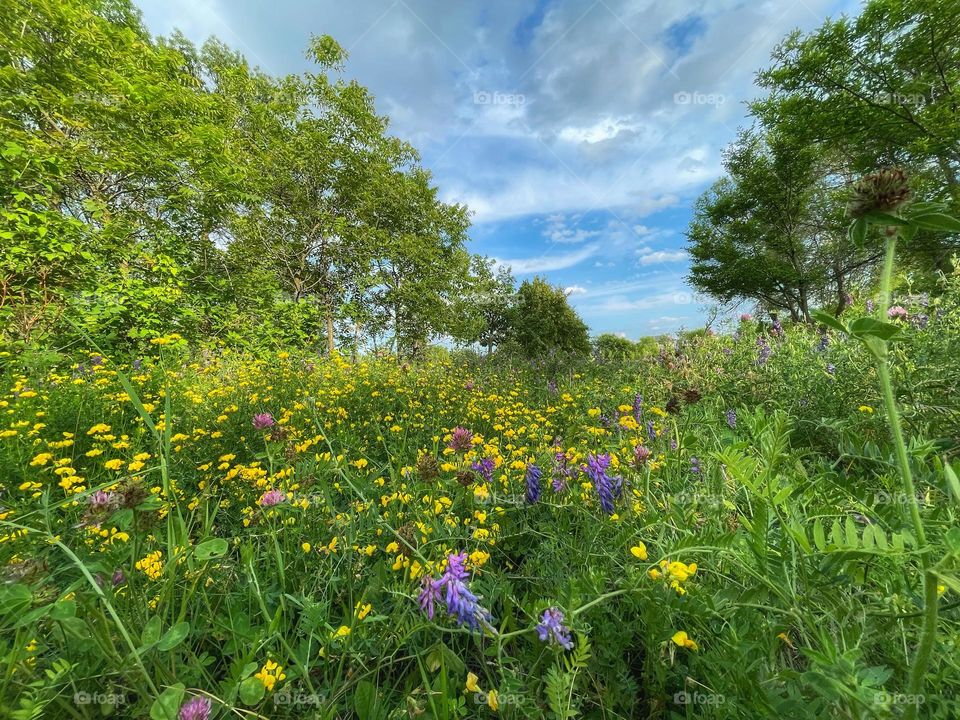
<point>151,565</point>
<point>675,573</point>
<point>270,674</point>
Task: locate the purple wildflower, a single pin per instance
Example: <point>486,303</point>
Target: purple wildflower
<point>460,602</point>
<point>869,306</point>
<point>118,577</point>
<point>485,467</point>
<point>640,455</point>
<point>777,329</point>
<point>897,312</point>
<point>263,421</point>
<point>831,368</point>
<point>651,430</point>
<point>552,387</point>
<point>101,501</point>
<point>469,386</point>
<point>764,351</point>
<point>272,497</point>
<point>552,630</point>
<point>561,471</point>
<point>429,595</point>
<point>533,484</point>
<point>673,444</point>
<point>137,364</point>
<point>638,408</point>
<point>461,440</point>
<point>746,317</point>
<point>732,418</point>
<point>608,488</point>
<point>197,708</point>
<point>694,465</point>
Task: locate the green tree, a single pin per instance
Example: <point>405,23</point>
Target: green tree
<point>878,90</point>
<point>772,230</point>
<point>116,170</point>
<point>541,321</point>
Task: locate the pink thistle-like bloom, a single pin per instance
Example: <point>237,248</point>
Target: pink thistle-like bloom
<point>640,455</point>
<point>897,312</point>
<point>272,497</point>
<point>461,439</point>
<point>746,317</point>
<point>263,421</point>
<point>197,708</point>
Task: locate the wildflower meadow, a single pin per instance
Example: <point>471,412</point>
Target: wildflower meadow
<point>277,443</point>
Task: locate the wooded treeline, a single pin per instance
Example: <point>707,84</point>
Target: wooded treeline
<point>857,94</point>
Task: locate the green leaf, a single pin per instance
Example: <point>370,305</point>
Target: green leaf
<point>174,636</point>
<point>213,548</point>
<point>251,691</point>
<point>852,537</point>
<point>882,218</point>
<point>63,610</point>
<point>819,539</point>
<point>829,320</point>
<point>871,327</point>
<point>151,631</point>
<point>168,704</point>
<point>14,599</point>
<point>858,231</point>
<point>881,537</point>
<point>952,481</point>
<point>365,700</point>
<point>937,221</point>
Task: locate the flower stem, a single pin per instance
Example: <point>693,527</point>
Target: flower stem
<point>929,630</point>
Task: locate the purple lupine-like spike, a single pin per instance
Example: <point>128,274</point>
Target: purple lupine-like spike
<point>533,476</point>
<point>608,489</point>
<point>429,595</point>
<point>485,467</point>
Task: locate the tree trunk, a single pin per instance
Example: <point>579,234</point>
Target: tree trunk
<point>330,344</point>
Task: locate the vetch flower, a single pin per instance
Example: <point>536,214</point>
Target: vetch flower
<point>608,488</point>
<point>552,630</point>
<point>533,484</point>
<point>484,467</point>
<point>731,418</point>
<point>461,603</point>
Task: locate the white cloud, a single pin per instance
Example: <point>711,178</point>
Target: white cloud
<point>655,257</point>
<point>575,290</point>
<point>547,263</point>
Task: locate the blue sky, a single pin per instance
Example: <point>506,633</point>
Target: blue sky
<point>579,132</point>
